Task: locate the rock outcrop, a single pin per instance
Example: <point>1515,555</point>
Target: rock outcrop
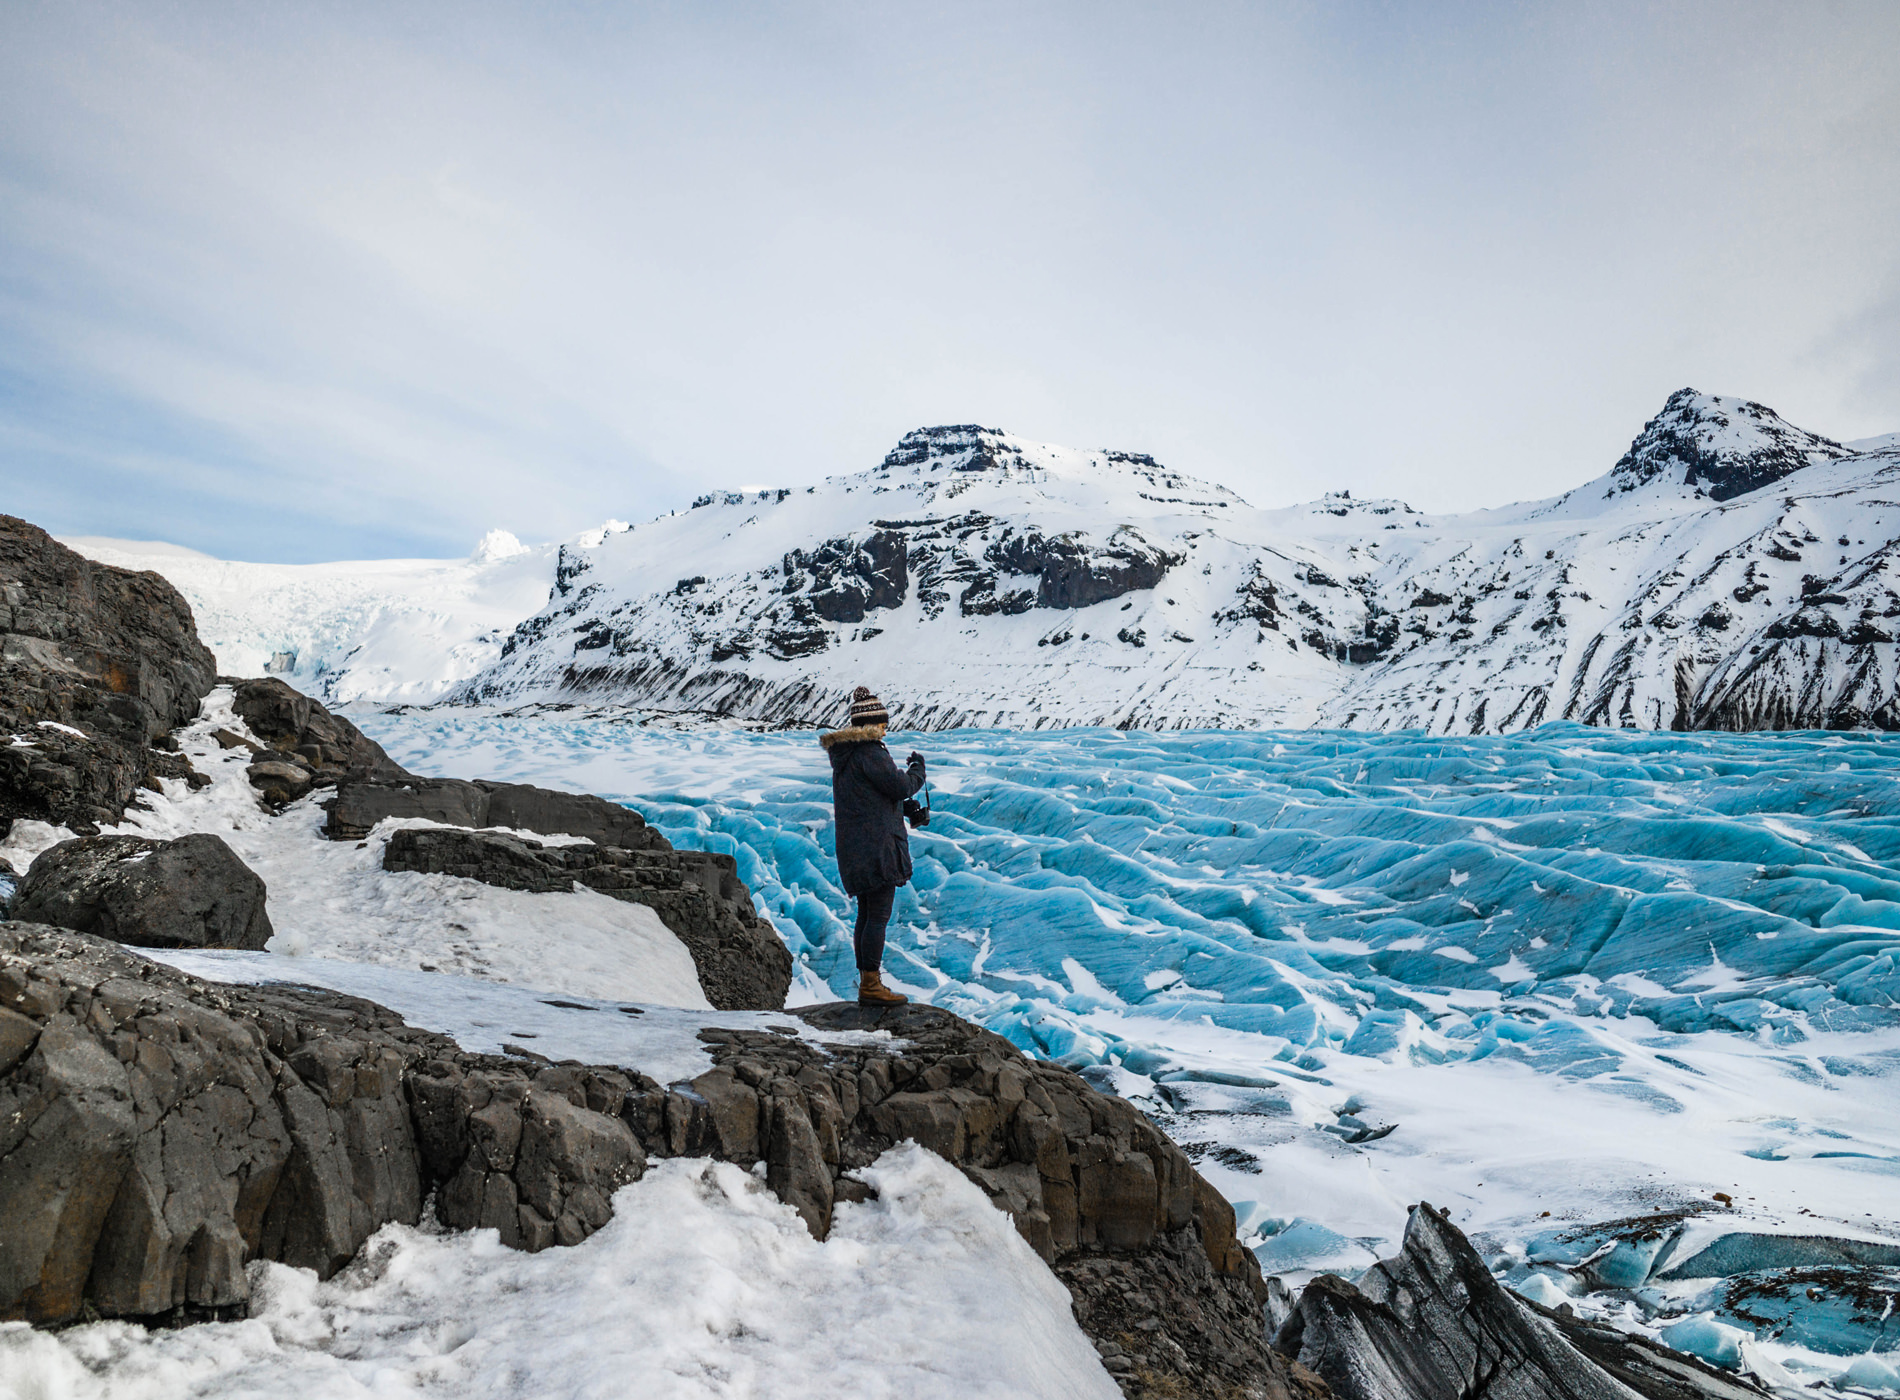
<point>1434,1323</point>
<point>361,803</point>
<point>742,963</point>
<point>157,1132</point>
<point>97,665</point>
<point>308,746</point>
<point>190,893</point>
<point>1145,1245</point>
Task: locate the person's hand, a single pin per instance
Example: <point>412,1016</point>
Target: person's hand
<point>916,760</point>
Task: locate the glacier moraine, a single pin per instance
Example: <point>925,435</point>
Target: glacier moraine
<point>1580,975</point>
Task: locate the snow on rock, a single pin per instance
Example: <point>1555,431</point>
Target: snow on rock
<point>702,1285</point>
<point>333,899</point>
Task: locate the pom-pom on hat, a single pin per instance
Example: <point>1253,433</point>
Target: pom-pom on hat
<point>866,708</point>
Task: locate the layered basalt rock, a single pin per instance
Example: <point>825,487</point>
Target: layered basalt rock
<point>742,963</point>
<point>97,665</point>
<point>190,893</point>
<point>157,1132</point>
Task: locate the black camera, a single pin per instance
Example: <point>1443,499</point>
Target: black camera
<point>915,812</point>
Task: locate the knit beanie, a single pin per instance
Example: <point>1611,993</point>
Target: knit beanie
<point>866,708</point>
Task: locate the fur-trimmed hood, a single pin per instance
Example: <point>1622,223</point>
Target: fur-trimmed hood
<point>855,734</point>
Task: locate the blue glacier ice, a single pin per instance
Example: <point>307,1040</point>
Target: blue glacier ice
<point>1311,886</point>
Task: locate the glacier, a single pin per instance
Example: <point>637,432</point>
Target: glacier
<point>1558,980</point>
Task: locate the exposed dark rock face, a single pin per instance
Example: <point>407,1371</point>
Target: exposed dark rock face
<point>295,725</point>
<point>1723,447</point>
<point>535,1154</point>
<point>742,963</point>
<point>157,1132</point>
<point>1075,571</point>
<point>1434,1323</point>
<point>362,802</point>
<point>96,664</point>
<point>1090,1183</point>
<point>846,578</point>
<point>190,893</point>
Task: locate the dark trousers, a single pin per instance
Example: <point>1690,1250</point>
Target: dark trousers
<point>874,912</point>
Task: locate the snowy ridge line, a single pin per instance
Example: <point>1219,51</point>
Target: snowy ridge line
<point>1731,571</point>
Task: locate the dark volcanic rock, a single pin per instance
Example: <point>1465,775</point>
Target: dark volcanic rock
<point>190,893</point>
<point>301,728</point>
<point>1076,571</point>
<point>846,578</point>
<point>741,961</point>
<point>1433,1323</point>
<point>157,1132</point>
<point>536,1155</point>
<point>361,803</point>
<point>96,663</point>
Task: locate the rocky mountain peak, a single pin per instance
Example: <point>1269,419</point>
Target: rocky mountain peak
<point>1718,447</point>
<point>964,446</point>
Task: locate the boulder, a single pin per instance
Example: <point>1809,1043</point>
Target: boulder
<point>741,961</point>
<point>1433,1322</point>
<point>190,893</point>
<point>96,665</point>
<point>300,730</point>
<point>361,803</point>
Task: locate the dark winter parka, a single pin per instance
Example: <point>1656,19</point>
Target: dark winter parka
<point>867,794</point>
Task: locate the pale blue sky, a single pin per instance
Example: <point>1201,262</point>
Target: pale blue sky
<point>320,281</point>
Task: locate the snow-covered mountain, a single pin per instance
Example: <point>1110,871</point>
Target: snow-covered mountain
<point>1730,571</point>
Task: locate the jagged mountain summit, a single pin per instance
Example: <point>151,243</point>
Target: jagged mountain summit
<point>1731,571</point>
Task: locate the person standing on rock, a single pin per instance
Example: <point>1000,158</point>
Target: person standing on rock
<point>867,797</point>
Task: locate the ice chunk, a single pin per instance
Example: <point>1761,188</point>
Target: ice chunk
<point>1714,1342</point>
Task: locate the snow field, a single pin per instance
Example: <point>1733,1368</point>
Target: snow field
<point>703,1285</point>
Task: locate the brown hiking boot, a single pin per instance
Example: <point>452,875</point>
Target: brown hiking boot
<point>873,992</point>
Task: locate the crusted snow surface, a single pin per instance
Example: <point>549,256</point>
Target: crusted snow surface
<point>1592,973</point>
<point>373,629</point>
<point>702,1285</point>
